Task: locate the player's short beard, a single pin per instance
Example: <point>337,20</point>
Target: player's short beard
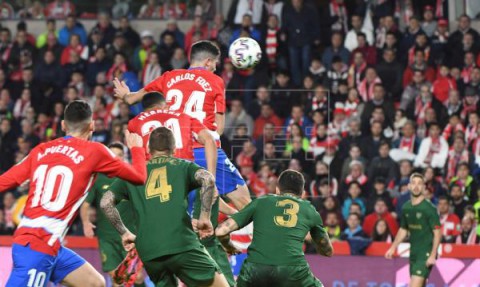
<point>416,195</point>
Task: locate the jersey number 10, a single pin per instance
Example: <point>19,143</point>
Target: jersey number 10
<point>45,181</point>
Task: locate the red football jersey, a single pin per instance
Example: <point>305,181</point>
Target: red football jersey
<point>185,129</point>
<point>196,92</point>
<point>61,173</point>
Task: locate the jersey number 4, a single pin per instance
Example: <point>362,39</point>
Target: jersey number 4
<point>290,211</point>
<point>193,107</point>
<point>157,185</point>
<point>46,179</point>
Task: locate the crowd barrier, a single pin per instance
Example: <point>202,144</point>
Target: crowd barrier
<point>458,265</point>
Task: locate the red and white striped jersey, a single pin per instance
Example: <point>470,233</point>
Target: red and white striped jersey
<point>196,92</point>
<point>185,129</point>
<point>61,172</point>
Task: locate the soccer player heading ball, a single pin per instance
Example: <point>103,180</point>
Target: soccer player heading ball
<point>420,218</point>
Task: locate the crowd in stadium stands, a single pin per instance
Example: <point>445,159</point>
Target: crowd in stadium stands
<point>356,95</point>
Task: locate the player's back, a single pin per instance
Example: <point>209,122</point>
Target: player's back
<point>61,173</point>
<point>281,223</point>
<point>196,92</point>
<point>183,127</point>
<point>161,207</point>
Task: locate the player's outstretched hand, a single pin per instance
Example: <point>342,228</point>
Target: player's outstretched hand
<point>205,228</point>
<point>431,261</point>
<point>121,90</point>
<point>389,253</point>
<point>133,139</point>
<point>88,228</point>
<point>128,240</point>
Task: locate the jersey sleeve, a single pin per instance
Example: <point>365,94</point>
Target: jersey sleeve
<point>16,175</point>
<point>403,219</point>
<point>114,167</point>
<point>317,231</point>
<point>192,182</point>
<point>92,194</point>
<point>245,216</point>
<point>220,98</point>
<point>120,189</point>
<point>155,85</point>
<point>196,126</point>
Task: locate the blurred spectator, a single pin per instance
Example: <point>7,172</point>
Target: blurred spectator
<point>354,228</point>
<point>334,18</point>
<point>275,47</point>
<point>239,8</point>
<point>381,232</point>
<point>371,143</point>
<point>433,150</point>
<point>172,27</point>
<point>466,182</point>
<point>380,213</point>
<point>236,116</point>
<point>151,9</point>
<point>355,154</point>
<point>300,23</point>
<point>179,59</point>
<point>298,117</point>
<point>450,222</point>
<point>121,8</point>
<point>22,104</point>
<point>356,72</point>
<point>406,146</point>
<point>419,64</point>
<point>351,42</point>
<point>458,200</point>
<point>246,26</point>
<point>59,9</point>
<point>100,134</point>
<point>72,27</point>
<point>383,165</point>
<point>468,234</point>
<point>390,72</point>
<point>267,115</point>
<point>455,40</point>
<point>166,48</point>
<point>262,97</point>
<point>198,26</point>
<point>7,144</point>
<point>354,192</point>
<point>335,50</point>
<point>6,10</point>
<point>429,25</point>
<point>368,51</point>
<point>408,38</point>
<point>51,29</point>
<point>152,69</point>
<point>274,7</point>
<point>105,27</point>
<point>74,47</point>
<point>379,191</point>
<point>337,75</point>
<point>332,225</point>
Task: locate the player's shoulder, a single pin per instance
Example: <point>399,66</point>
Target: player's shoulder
<point>429,205</point>
<point>407,205</point>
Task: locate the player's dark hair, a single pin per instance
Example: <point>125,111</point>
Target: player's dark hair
<point>162,139</point>
<point>152,99</point>
<point>291,181</point>
<point>118,145</point>
<point>77,116</point>
<point>203,50</point>
<point>417,175</point>
<point>443,197</point>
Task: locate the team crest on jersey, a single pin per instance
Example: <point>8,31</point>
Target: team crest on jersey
<point>105,186</point>
<point>419,215</point>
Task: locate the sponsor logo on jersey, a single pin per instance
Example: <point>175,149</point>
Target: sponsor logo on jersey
<point>419,215</point>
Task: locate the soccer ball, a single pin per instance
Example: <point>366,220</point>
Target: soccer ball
<point>245,53</point>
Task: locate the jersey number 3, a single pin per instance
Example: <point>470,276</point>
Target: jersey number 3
<point>157,185</point>
<point>290,211</point>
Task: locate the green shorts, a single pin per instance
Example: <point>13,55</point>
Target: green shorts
<point>419,268</point>
<point>194,267</point>
<point>220,256</point>
<point>112,253</point>
<point>259,275</point>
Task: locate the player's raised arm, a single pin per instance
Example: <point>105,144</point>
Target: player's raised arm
<point>122,92</point>
<point>114,167</point>
<point>205,138</point>
<point>207,198</point>
<point>16,175</point>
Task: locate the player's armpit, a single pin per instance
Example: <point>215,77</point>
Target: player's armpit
<point>107,204</point>
<point>205,138</point>
<point>220,121</point>
<point>225,228</point>
<point>322,243</point>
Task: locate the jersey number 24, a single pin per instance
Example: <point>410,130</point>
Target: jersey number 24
<point>193,106</point>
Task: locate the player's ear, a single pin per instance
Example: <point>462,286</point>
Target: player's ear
<point>277,190</point>
<point>64,127</point>
<point>91,126</point>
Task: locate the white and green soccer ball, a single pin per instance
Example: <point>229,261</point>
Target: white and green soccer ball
<point>245,53</point>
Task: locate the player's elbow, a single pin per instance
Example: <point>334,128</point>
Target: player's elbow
<point>327,251</point>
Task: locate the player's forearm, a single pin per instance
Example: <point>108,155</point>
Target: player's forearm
<point>107,204</point>
<point>220,121</point>
<point>324,245</point>
<point>226,227</point>
<point>401,235</point>
<point>207,192</point>
<point>137,172</point>
<point>224,208</point>
<point>84,212</point>
<point>437,237</point>
<point>134,97</point>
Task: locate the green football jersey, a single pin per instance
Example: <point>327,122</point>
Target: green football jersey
<point>280,224</point>
<point>420,220</point>
<point>104,228</point>
<point>163,224</point>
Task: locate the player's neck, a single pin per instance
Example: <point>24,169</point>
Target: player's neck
<point>417,200</point>
<point>82,136</point>
<point>160,153</point>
